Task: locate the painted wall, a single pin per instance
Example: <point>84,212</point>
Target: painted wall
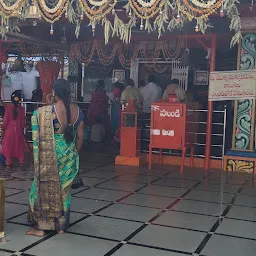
<point>25,82</point>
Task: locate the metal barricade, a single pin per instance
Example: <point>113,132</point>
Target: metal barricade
<point>30,106</point>
<point>218,134</point>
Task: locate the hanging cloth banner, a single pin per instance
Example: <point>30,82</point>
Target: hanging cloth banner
<point>48,72</point>
<point>232,85</point>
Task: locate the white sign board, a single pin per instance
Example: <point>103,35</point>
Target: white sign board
<point>232,85</point>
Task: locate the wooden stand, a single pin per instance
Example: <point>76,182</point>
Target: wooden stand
<point>2,207</point>
<point>130,142</point>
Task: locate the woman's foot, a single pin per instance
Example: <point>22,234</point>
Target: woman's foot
<point>60,232</point>
<point>35,232</point>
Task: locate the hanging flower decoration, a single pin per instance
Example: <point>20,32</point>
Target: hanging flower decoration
<point>145,9</point>
<point>149,15</point>
<point>125,53</point>
<point>11,8</point>
<point>51,12</point>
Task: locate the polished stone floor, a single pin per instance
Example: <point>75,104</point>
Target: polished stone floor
<point>128,211</point>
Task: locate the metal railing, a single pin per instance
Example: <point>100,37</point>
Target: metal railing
<point>218,135</point>
<point>218,129</point>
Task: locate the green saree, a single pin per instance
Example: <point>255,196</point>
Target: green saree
<point>56,165</point>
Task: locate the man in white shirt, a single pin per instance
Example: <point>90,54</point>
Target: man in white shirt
<point>150,93</point>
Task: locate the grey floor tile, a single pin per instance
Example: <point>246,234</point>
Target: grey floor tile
<point>190,175</point>
<point>102,194</point>
<point>84,205</point>
<point>19,184</point>
<point>229,246</point>
<point>207,208</point>
<point>245,200</point>
<point>163,191</point>
<point>139,170</point>
<point>133,250</point>
<point>249,191</point>
<point>239,228</point>
<point>21,198</point>
<point>130,212</point>
<point>16,238</point>
<point>186,220</point>
<point>5,254</point>
<point>133,177</point>
<point>89,166</point>
<point>183,183</point>
<point>69,244</point>
<point>11,191</point>
<point>230,178</point>
<point>148,200</point>
<point>100,174</point>
<point>209,196</point>
<point>243,213</point>
<point>228,188</point>
<point>105,227</point>
<point>170,238</point>
<point>90,181</point>
<point>12,210</point>
<point>23,218</point>
<point>121,185</point>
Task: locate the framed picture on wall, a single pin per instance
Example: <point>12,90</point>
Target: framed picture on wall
<point>201,77</point>
<point>118,75</point>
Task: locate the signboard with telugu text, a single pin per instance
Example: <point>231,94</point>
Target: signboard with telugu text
<point>232,85</point>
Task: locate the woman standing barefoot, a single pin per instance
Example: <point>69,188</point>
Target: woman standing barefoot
<point>13,126</point>
<point>58,132</point>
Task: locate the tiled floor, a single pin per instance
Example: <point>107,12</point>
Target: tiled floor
<point>128,211</point>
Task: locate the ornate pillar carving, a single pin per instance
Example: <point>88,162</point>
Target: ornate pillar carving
<point>75,78</point>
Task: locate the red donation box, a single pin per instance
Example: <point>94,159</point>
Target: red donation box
<point>130,138</point>
<point>172,127</point>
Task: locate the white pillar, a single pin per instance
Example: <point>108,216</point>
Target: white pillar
<point>134,72</point>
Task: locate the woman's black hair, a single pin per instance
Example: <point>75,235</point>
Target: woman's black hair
<point>15,98</point>
<point>62,90</point>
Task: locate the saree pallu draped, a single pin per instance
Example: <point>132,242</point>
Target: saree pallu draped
<point>56,164</point>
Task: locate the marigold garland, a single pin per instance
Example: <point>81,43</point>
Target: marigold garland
<point>99,13</point>
<point>191,16</point>
<point>51,17</point>
<point>13,9</point>
<point>146,13</point>
<point>193,9</point>
<point>84,52</point>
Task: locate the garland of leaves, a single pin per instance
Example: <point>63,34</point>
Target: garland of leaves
<point>126,53</point>
<point>154,15</point>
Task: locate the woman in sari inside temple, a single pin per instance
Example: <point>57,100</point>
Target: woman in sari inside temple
<point>58,132</point>
<point>116,111</point>
<point>13,127</point>
<point>99,106</point>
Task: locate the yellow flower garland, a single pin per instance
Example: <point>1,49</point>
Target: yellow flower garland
<point>13,9</point>
<point>190,16</point>
<point>51,18</point>
<point>134,5</point>
<point>97,15</point>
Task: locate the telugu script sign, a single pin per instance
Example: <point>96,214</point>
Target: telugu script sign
<point>232,85</point>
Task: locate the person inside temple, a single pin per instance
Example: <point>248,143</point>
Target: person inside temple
<point>174,88</point>
<point>150,93</point>
<point>132,93</point>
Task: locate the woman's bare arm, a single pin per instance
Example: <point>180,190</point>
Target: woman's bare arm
<point>80,136</point>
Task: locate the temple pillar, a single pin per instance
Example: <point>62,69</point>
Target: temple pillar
<point>242,156</point>
<point>75,79</point>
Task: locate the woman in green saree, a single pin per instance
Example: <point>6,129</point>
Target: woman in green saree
<point>58,131</point>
